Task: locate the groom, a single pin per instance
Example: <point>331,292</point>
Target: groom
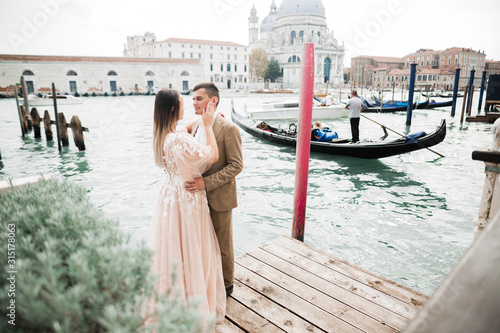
<point>219,180</point>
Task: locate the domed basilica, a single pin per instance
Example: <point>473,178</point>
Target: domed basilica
<point>283,32</point>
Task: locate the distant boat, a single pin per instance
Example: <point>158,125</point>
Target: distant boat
<point>46,100</point>
<point>122,94</point>
<point>290,110</point>
<point>187,92</point>
<point>86,94</point>
<point>106,94</point>
<point>433,104</point>
<point>114,94</point>
<point>450,94</point>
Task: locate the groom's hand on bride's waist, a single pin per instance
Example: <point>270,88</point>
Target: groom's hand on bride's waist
<point>195,185</point>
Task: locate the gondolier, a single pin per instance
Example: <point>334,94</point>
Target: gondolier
<point>355,106</point>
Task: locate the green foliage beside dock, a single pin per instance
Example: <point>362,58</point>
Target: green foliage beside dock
<point>67,268</point>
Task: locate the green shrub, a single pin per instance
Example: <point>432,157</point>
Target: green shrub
<point>74,270</point>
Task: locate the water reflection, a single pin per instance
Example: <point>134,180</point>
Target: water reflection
<point>73,163</point>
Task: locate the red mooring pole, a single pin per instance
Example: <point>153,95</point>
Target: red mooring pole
<point>303,141</point>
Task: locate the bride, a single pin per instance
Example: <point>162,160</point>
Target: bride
<point>182,236</point>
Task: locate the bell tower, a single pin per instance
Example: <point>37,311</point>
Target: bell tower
<point>253,26</point>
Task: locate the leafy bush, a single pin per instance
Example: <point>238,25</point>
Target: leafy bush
<point>74,270</point>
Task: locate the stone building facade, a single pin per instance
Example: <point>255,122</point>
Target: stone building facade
<point>98,74</point>
<point>284,31</point>
<point>223,63</point>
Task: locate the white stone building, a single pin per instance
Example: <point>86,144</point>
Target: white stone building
<point>98,74</point>
<point>223,63</point>
<point>283,32</point>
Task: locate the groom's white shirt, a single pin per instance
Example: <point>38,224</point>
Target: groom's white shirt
<point>201,135</point>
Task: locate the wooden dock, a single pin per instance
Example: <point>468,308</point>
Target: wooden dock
<point>288,286</point>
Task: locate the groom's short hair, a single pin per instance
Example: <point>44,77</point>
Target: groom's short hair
<point>210,89</point>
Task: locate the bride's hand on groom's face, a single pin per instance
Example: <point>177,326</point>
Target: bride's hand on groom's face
<point>208,114</point>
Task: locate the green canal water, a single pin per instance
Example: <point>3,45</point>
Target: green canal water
<point>407,218</point>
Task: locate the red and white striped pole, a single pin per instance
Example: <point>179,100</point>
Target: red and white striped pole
<point>303,141</point>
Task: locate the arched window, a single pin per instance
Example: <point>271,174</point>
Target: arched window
<point>294,59</point>
<point>28,72</point>
<point>184,73</point>
<point>301,36</point>
<point>292,40</point>
<point>71,73</point>
<point>112,73</point>
<point>326,69</point>
<point>150,73</point>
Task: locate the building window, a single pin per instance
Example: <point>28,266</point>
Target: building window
<point>292,40</point>
<point>211,56</point>
<point>28,72</point>
<point>170,54</point>
<point>191,46</point>
<point>199,46</point>
<point>73,73</point>
<point>236,49</point>
<point>110,73</point>
<point>112,86</point>
<point>211,67</point>
<point>211,79</point>
<point>228,67</point>
<point>221,67</point>
<point>183,54</point>
<point>222,48</point>
<point>182,45</point>
<point>245,56</point>
<point>72,86</point>
<point>245,69</point>
<point>301,36</point>
<point>184,73</point>
<point>235,67</point>
<point>150,73</point>
<point>228,48</point>
<point>211,47</point>
<point>235,57</point>
<point>191,54</point>
<point>169,44</point>
<point>199,55</point>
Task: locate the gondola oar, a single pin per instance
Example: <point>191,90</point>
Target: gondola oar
<point>390,129</point>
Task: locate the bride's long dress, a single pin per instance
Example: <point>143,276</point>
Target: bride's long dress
<point>182,237</point>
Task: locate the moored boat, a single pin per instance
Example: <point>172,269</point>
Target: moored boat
<point>46,100</point>
<point>290,110</point>
<point>433,104</point>
<point>368,150</point>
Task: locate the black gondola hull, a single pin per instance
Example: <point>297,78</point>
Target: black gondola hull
<point>370,150</point>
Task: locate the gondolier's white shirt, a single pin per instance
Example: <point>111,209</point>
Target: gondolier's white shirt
<point>201,134</point>
<point>354,107</point>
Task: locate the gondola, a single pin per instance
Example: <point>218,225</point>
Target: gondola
<point>368,150</point>
<point>433,104</point>
<point>396,107</point>
<point>187,92</point>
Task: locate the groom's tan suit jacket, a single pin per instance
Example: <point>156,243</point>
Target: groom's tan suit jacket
<point>220,180</point>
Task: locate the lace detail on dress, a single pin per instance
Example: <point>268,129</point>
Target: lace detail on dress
<point>185,159</point>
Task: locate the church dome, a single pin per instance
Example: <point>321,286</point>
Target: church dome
<point>301,7</point>
<point>268,22</point>
<point>253,11</point>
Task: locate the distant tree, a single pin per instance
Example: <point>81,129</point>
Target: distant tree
<point>258,63</point>
<point>273,70</point>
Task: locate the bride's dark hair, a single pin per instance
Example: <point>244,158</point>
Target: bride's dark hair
<point>166,115</point>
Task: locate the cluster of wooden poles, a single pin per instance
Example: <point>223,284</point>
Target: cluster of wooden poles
<point>32,121</point>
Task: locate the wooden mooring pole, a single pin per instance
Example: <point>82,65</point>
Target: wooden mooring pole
<point>23,130</point>
<point>463,104</point>
<point>54,97</point>
<point>303,142</point>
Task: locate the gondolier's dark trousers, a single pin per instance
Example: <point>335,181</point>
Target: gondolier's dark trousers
<point>355,129</point>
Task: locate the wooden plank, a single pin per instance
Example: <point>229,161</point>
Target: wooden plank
<point>247,319</point>
<point>330,305</point>
<point>276,314</point>
<point>227,327</point>
<point>403,293</point>
<point>292,302</point>
<point>341,280</point>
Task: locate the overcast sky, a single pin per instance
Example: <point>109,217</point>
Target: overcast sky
<point>366,27</point>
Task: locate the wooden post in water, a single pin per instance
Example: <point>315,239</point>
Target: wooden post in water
<point>47,125</point>
<point>63,130</point>
<point>303,142</point>
<point>19,111</point>
<point>463,104</point>
<point>411,89</point>
<point>26,101</point>
<point>35,119</point>
<point>393,86</point>
<point>471,89</point>
<point>24,118</point>
<point>76,128</point>
<point>483,82</point>
<point>469,105</point>
<point>54,98</point>
<point>455,90</point>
